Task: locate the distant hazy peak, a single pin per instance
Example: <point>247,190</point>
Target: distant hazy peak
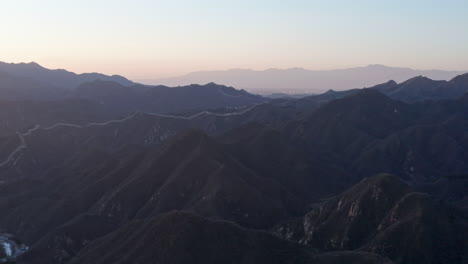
<point>299,80</point>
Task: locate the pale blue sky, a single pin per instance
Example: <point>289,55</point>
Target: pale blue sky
<point>158,38</point>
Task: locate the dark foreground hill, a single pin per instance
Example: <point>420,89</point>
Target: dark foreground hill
<point>381,214</point>
<point>181,238</point>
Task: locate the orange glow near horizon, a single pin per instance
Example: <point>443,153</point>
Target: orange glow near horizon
<point>156,39</point>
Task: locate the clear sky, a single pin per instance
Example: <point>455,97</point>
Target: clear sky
<point>159,38</point>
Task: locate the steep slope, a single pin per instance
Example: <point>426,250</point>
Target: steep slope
<point>381,214</point>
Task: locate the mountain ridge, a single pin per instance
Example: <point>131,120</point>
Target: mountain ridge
<point>59,77</point>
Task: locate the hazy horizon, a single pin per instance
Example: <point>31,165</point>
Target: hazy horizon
<point>269,81</point>
<point>233,131</point>
<point>159,39</point>
<point>152,78</point>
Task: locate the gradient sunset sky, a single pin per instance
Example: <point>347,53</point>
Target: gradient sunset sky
<point>144,39</point>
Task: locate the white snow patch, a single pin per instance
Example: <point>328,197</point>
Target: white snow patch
<point>7,247</point>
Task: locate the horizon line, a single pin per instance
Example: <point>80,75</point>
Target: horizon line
<point>239,69</point>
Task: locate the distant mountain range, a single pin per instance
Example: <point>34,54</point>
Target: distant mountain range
<point>300,80</point>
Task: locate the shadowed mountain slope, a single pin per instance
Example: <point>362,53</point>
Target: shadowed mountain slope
<point>183,238</point>
<point>381,214</point>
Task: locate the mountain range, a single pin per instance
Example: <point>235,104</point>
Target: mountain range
<point>298,80</point>
<point>210,174</point>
